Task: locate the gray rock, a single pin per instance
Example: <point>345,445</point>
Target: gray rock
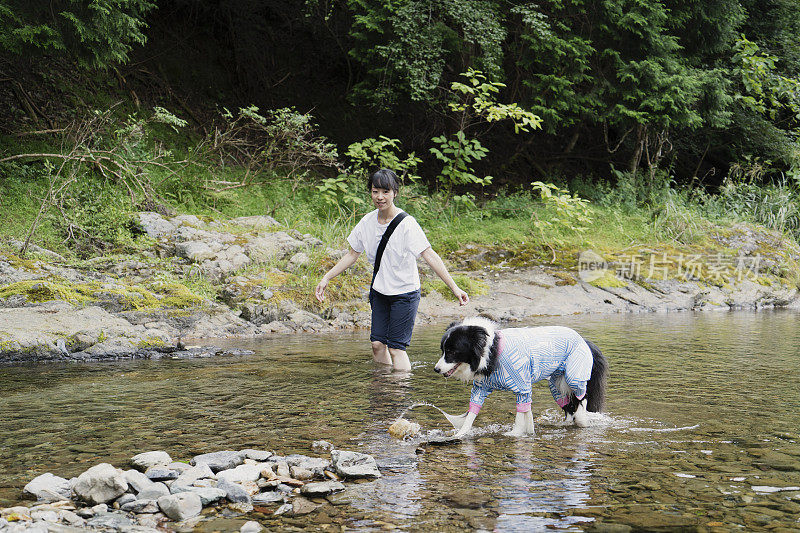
<point>321,488</point>
<point>154,225</point>
<point>269,246</point>
<point>161,473</point>
<point>145,460</point>
<point>250,527</point>
<point>192,220</point>
<point>141,507</point>
<point>181,506</point>
<point>137,481</point>
<point>234,492</point>
<point>44,515</point>
<point>100,484</point>
<point>241,473</point>
<point>68,517</point>
<point>300,259</point>
<point>48,487</point>
<point>321,446</point>
<point>180,467</point>
<point>298,472</point>
<point>255,222</point>
<point>193,473</point>
<point>197,251</point>
<point>263,498</point>
<point>224,460</point>
<point>125,498</point>
<point>109,520</point>
<point>317,465</point>
<point>153,493</point>
<point>207,495</point>
<point>354,464</point>
<point>257,455</point>
<point>302,506</point>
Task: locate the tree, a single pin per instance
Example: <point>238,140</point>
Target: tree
<point>98,33</point>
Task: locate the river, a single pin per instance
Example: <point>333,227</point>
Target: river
<point>702,428</point>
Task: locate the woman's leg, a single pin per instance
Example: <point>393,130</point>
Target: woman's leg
<point>400,359</point>
<point>403,312</point>
<point>379,327</point>
<point>380,353</point>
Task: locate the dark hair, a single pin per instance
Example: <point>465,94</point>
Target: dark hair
<point>384,179</point>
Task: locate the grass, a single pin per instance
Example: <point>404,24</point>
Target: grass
<point>510,229</point>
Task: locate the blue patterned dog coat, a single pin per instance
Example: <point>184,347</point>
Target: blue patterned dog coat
<point>528,355</point>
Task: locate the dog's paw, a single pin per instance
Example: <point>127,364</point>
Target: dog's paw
<point>581,417</point>
<point>519,433</point>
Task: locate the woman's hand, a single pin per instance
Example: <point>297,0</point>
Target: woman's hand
<point>461,296</point>
<point>319,292</point>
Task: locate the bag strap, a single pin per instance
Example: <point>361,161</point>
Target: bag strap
<point>384,239</point>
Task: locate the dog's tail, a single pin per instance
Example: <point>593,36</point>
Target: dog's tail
<point>596,387</point>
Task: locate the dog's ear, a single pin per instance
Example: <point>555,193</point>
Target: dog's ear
<point>477,337</point>
<point>454,323</point>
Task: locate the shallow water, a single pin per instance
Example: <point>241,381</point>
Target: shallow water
<point>702,428</point>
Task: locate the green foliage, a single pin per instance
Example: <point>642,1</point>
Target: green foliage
<point>371,154</point>
<point>96,214</point>
<point>458,154</point>
<point>775,205</point>
<point>475,103</point>
<point>766,90</point>
<point>570,212</point>
<point>279,141</point>
<point>343,190</point>
<point>406,46</point>
<point>98,33</point>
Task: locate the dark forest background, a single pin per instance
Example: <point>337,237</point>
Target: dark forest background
<point>693,88</point>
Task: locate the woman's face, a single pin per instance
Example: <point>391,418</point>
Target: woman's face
<point>382,198</point>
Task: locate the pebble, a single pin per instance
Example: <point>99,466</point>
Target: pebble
<point>251,527</point>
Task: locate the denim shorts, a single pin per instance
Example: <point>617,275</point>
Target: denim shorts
<point>393,318</point>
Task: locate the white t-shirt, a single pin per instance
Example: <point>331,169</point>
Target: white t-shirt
<point>398,273</point>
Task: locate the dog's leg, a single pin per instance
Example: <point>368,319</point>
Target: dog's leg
<point>581,416</point>
<point>529,430</point>
<point>457,421</point>
<point>523,425</point>
<point>469,419</point>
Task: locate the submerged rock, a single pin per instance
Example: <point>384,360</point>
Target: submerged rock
<point>354,464</point>
<point>321,488</point>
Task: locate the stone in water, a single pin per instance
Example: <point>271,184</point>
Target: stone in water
<point>403,428</point>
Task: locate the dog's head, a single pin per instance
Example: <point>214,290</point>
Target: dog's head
<point>467,349</point>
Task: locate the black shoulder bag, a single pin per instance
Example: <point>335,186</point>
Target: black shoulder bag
<point>384,239</point>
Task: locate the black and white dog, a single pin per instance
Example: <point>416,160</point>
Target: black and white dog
<point>516,358</point>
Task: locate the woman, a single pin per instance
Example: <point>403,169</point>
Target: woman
<point>395,292</point>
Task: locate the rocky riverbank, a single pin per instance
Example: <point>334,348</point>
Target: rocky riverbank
<point>160,494</point>
<point>250,276</point>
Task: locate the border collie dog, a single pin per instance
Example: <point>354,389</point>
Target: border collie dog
<point>516,358</point>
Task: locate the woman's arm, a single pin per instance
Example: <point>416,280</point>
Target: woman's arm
<point>343,264</point>
<point>437,265</point>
